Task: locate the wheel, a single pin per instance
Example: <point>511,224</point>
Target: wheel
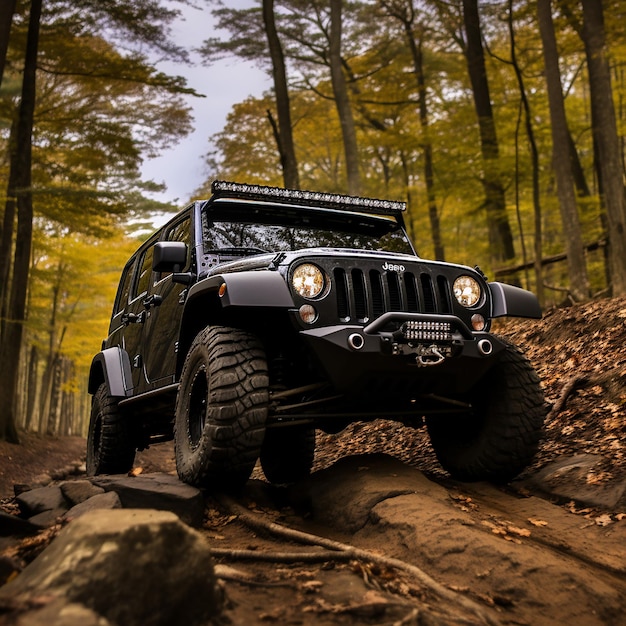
<point>110,445</point>
<point>287,453</point>
<point>499,438</point>
<point>221,408</point>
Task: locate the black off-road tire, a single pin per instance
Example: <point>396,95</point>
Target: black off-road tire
<point>501,435</point>
<point>110,445</point>
<point>287,454</point>
<point>221,408</point>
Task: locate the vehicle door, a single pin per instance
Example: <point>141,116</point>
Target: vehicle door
<point>120,306</point>
<point>164,308</point>
<point>136,315</point>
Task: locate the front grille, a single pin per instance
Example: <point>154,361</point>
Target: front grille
<point>363,296</point>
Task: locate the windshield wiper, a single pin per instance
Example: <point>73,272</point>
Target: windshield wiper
<point>238,251</point>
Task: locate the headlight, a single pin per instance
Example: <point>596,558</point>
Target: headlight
<point>308,280</point>
<point>467,291</point>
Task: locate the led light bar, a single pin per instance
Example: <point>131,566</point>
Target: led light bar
<point>242,191</point>
<point>427,331</point>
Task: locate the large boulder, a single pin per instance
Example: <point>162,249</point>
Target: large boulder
<point>156,491</point>
<point>131,567</point>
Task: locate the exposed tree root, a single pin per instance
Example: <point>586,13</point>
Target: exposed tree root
<point>583,380</point>
<point>281,557</point>
<point>343,551</point>
<point>570,387</point>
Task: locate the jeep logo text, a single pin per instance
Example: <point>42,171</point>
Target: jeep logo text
<point>390,267</point>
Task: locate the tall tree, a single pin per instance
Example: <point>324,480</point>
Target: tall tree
<point>12,339</point>
<point>342,101</point>
<point>285,134</point>
<point>577,269</point>
<point>606,140</point>
<point>534,157</point>
<point>501,238</point>
<point>7,9</point>
<point>404,12</point>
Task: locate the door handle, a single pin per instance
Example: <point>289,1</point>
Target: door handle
<point>153,300</point>
<point>133,318</point>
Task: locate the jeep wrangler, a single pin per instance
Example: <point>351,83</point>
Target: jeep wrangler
<point>254,318</point>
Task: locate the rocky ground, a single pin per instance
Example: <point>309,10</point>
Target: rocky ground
<point>547,549</point>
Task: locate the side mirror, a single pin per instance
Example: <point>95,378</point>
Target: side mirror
<point>169,256</point>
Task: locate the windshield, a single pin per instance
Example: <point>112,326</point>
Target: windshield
<point>279,229</point>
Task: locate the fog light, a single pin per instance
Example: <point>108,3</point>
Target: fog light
<point>478,322</point>
<point>308,314</point>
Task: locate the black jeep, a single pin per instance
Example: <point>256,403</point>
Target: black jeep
<point>257,316</point>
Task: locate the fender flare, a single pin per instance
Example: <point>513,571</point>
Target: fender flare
<point>111,366</point>
<point>247,289</point>
<point>507,300</point>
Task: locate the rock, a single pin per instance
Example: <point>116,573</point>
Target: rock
<point>40,500</point>
<point>156,491</point>
<point>77,491</point>
<point>132,567</point>
<point>567,478</point>
<point>45,519</point>
<point>12,525</point>
<point>351,482</point>
<point>102,501</point>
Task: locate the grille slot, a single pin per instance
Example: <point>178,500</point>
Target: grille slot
<point>360,295</point>
<point>395,296</point>
<point>378,298</point>
<point>444,294</point>
<point>365,295</point>
<point>412,295</point>
<point>428,295</point>
<point>343,295</point>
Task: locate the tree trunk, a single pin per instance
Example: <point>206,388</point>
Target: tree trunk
<point>405,14</point>
<point>33,364</point>
<point>500,236</point>
<point>285,136</point>
<point>12,339</point>
<point>342,101</point>
<point>579,281</point>
<point>606,140</point>
<point>52,426</point>
<point>7,9</point>
<point>534,157</point>
<point>8,228</point>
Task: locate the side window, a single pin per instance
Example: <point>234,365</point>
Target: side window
<point>121,300</point>
<point>145,272</point>
<point>179,232</point>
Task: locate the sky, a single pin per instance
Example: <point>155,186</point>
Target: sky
<point>183,168</point>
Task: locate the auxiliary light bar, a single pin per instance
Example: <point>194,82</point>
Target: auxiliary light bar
<point>242,191</point>
<point>427,331</point>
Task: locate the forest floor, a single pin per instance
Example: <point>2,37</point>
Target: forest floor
<point>579,354</point>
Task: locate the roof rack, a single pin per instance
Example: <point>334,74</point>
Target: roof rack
<point>242,191</point>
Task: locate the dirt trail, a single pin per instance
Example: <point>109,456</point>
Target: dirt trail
<point>521,560</point>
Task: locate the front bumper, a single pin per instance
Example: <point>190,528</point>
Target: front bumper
<point>404,354</point>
